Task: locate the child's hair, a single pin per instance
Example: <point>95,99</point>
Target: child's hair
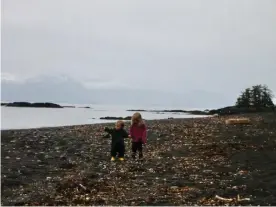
<point>120,123</point>
<point>136,119</point>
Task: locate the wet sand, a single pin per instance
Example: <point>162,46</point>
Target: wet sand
<point>187,162</point>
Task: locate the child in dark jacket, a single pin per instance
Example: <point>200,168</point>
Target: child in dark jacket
<point>138,133</point>
<point>117,144</point>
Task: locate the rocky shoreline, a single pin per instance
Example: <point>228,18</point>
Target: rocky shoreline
<point>229,110</point>
<point>198,161</point>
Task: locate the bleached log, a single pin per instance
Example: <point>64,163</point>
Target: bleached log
<point>224,199</point>
<point>237,121</point>
<point>232,199</point>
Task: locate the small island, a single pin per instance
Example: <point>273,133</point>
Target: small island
<point>116,118</point>
<point>33,105</point>
<point>85,107</point>
<point>40,105</point>
<point>68,106</point>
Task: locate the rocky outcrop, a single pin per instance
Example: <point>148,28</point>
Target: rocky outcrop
<point>116,118</point>
<point>197,112</point>
<point>229,110</point>
<point>232,110</point>
<point>34,105</point>
<point>80,107</point>
<point>194,112</point>
<point>68,106</point>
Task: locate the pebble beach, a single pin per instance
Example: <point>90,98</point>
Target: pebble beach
<point>200,161</point>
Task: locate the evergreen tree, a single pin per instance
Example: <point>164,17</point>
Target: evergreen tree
<point>257,96</point>
<point>267,96</point>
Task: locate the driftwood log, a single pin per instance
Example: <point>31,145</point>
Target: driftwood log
<point>237,121</point>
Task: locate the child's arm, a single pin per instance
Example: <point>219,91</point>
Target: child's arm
<point>125,134</point>
<point>144,137</point>
<point>130,132</point>
<point>108,130</point>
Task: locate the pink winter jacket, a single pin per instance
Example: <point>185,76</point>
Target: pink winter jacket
<point>138,133</point>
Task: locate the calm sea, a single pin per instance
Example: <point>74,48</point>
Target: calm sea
<point>23,118</point>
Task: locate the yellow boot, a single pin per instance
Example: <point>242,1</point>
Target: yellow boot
<point>121,159</point>
<point>112,158</point>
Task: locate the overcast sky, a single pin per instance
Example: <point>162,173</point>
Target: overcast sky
<point>178,47</point>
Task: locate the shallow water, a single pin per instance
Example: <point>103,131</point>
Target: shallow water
<point>24,118</point>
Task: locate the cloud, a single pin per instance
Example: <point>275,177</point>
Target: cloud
<point>8,77</point>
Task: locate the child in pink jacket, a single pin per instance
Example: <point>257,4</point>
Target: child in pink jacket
<point>138,133</point>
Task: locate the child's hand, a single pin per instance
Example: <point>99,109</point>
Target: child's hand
<point>105,129</point>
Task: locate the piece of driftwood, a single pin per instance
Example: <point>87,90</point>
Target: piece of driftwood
<point>237,121</point>
<point>224,199</point>
<point>242,199</point>
<point>232,199</point>
<point>83,187</point>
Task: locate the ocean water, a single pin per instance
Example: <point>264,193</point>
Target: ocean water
<point>24,118</point>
